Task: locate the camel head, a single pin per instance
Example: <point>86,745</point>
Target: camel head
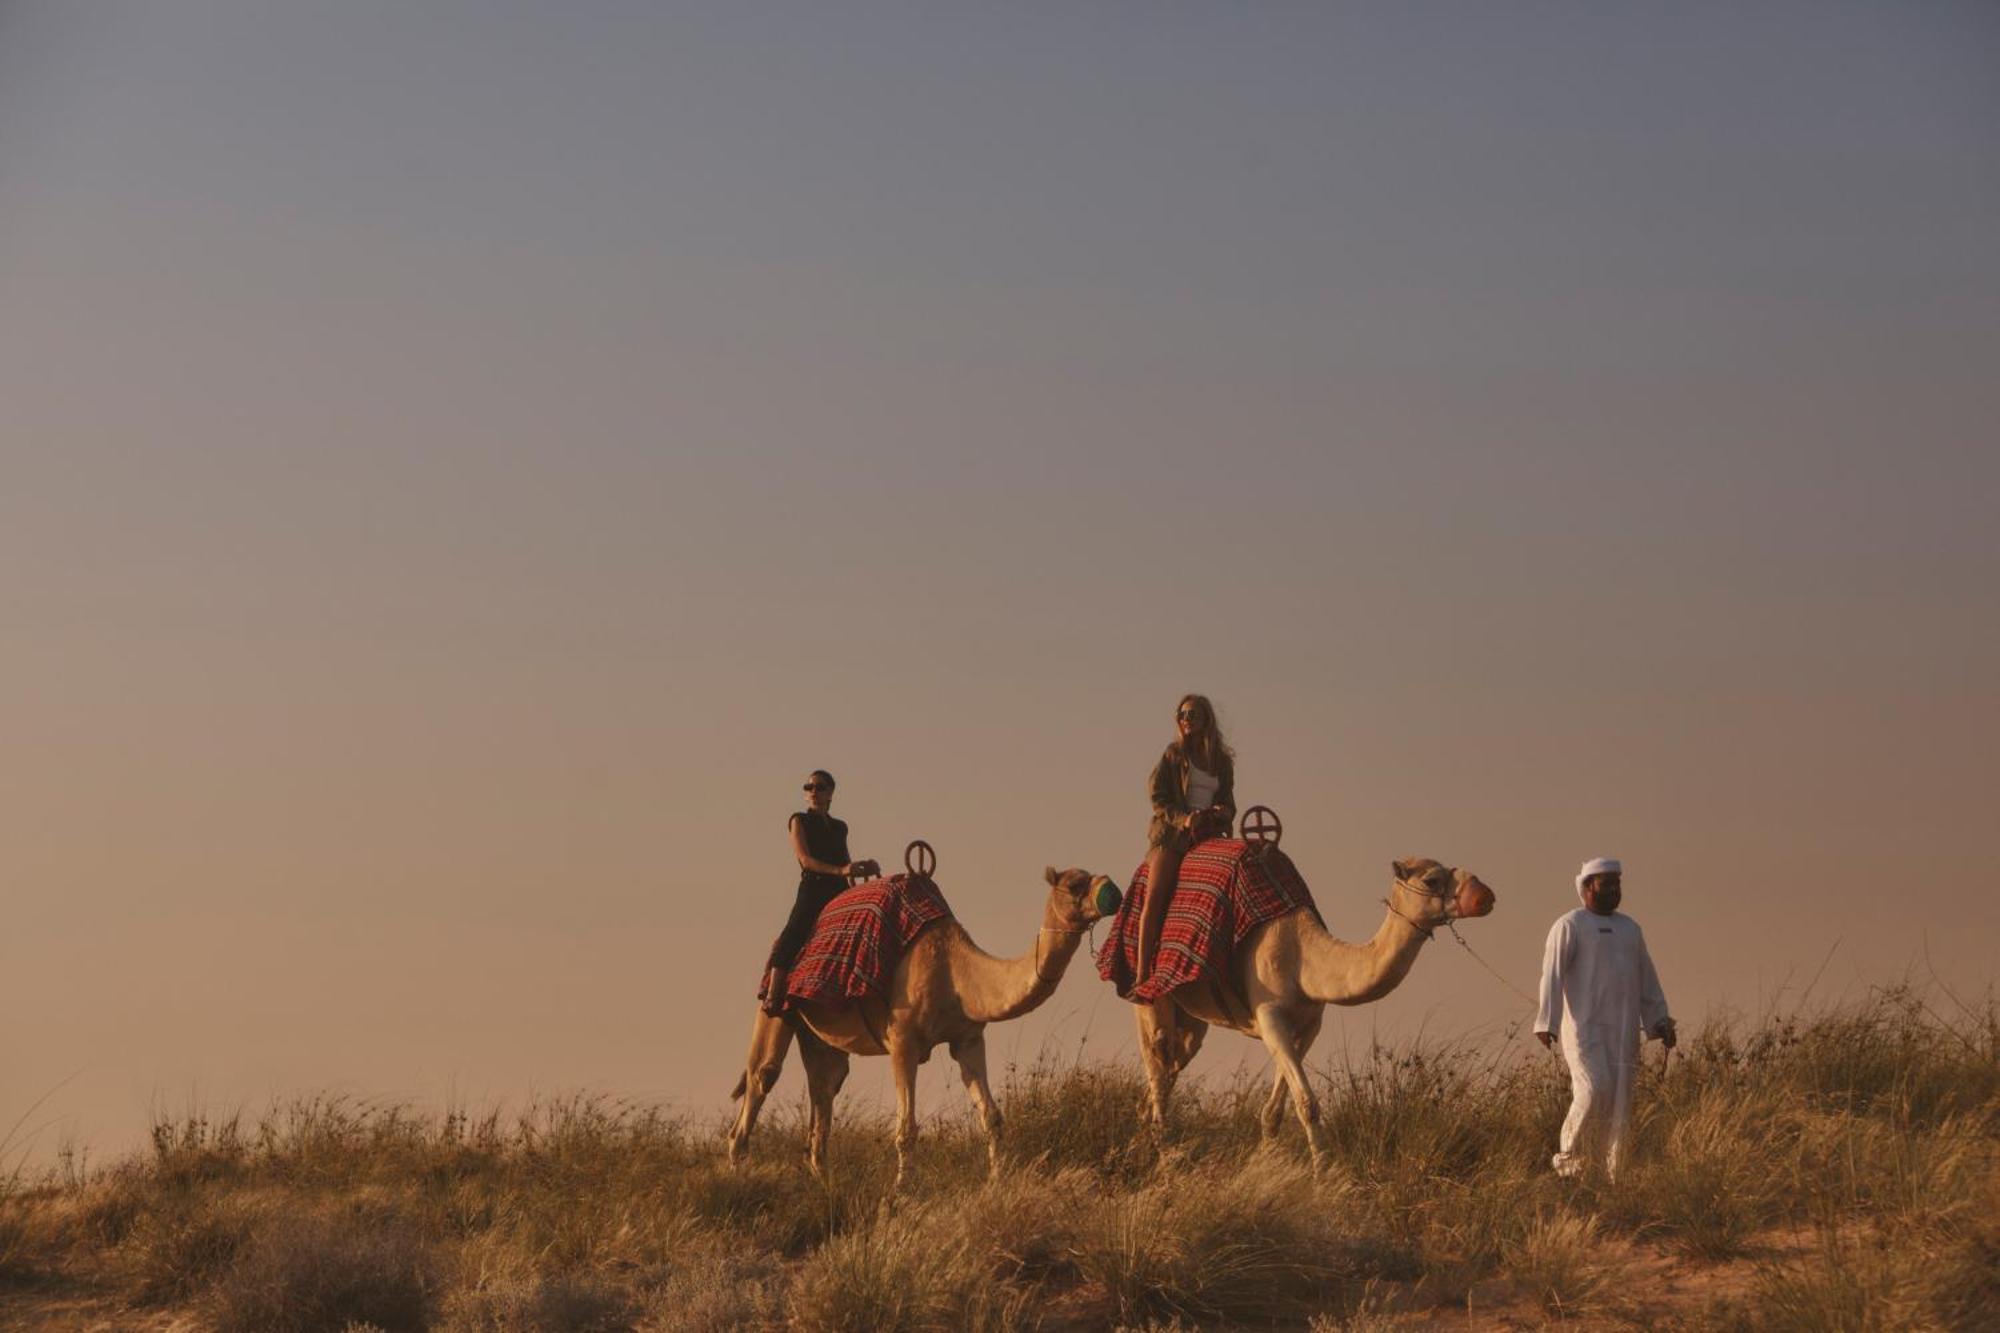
<point>1430,895</point>
<point>1079,898</point>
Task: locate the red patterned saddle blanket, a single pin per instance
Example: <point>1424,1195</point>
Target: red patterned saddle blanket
<point>1227,889</point>
<point>860,937</point>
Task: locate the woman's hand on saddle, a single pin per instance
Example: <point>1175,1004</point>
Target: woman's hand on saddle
<point>1210,823</point>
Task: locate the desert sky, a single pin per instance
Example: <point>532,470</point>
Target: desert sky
<point>462,464</point>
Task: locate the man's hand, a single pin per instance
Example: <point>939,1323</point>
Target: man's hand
<point>1665,1032</point>
<point>1547,1039</point>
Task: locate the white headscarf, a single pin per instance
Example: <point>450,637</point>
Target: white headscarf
<point>1602,865</point>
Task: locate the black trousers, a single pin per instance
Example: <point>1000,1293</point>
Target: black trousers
<point>815,892</point>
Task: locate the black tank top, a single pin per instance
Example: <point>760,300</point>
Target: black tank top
<point>826,840</point>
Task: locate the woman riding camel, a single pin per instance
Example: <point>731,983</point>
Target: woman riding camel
<point>820,842</point>
<point>1194,797</point>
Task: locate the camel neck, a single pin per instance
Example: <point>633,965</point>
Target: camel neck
<point>995,989</point>
<point>1333,971</point>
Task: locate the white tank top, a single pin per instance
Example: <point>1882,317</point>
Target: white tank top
<point>1202,787</point>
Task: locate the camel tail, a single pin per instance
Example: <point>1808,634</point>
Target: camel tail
<point>742,1086</point>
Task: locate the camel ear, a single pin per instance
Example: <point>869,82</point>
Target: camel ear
<point>1400,869</point>
<point>1051,874</point>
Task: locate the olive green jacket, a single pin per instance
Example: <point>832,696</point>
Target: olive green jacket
<point>1171,815</point>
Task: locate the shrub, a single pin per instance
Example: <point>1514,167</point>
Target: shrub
<point>179,1241</point>
<point>554,1303</point>
<point>1255,1241</point>
<point>1559,1260</point>
<point>304,1273</point>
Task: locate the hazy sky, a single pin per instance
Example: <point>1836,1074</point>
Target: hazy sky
<point>461,464</point>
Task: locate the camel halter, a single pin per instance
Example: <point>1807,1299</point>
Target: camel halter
<point>1420,927</point>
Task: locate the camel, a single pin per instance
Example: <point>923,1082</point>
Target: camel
<point>1283,976</point>
<point>944,989</point>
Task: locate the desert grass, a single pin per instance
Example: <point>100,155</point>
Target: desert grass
<point>1849,1158</point>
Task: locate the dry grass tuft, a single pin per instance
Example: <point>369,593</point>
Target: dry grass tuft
<point>323,1271</point>
<point>1259,1240</point>
<point>1559,1259</point>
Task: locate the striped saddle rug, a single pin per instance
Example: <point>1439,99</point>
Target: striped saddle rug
<point>860,937</point>
<point>1227,889</point>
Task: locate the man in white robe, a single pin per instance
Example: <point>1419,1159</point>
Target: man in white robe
<point>1599,990</point>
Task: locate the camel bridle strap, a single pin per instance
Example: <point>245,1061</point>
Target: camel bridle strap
<point>1426,931</point>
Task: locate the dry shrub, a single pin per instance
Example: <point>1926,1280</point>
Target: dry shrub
<point>1076,1116</point>
<point>719,1289</point>
<point>1716,1180</point>
<point>981,1258</point>
<point>180,1241</point>
<point>1026,1225</point>
<point>781,1206</point>
<point>304,1273</point>
<point>1257,1240</point>
<point>1366,1316</point>
<point>1559,1259</point>
<point>554,1303</point>
<point>110,1206</point>
<point>1860,1284</point>
<point>895,1277</point>
<point>20,1236</point>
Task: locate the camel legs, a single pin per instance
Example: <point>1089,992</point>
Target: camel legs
<point>769,1039</point>
<point>1273,1116</point>
<point>1168,1039</point>
<point>971,1057</point>
<point>826,1070</point>
<point>903,1064</point>
<point>1283,1043</point>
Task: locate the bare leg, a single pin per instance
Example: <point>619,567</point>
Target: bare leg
<point>826,1070</point>
<point>1163,868</point>
<point>971,1057</point>
<point>769,1039</point>
<point>775,981</point>
<point>903,1064</point>
<point>1282,1042</point>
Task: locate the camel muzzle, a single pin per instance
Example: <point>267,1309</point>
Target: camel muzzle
<point>1474,898</point>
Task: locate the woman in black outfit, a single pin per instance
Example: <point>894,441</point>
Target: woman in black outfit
<point>820,842</point>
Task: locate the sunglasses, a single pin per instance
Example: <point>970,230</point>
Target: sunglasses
<point>817,786</point>
<point>1187,715</point>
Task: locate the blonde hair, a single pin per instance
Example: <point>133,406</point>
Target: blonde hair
<point>1206,746</point>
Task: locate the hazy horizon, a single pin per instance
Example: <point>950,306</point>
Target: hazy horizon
<point>464,466</point>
